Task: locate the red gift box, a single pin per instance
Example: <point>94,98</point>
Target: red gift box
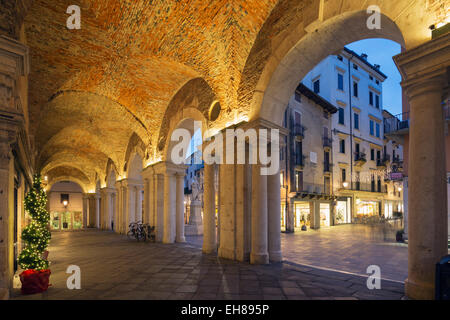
<point>35,281</point>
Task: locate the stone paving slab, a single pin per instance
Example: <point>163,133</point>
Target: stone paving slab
<point>113,267</point>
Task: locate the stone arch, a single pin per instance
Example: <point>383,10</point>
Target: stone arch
<point>111,166</point>
<point>193,99</point>
<point>111,179</point>
<point>279,69</point>
<point>135,166</point>
<point>186,120</point>
<point>135,146</point>
<point>79,182</point>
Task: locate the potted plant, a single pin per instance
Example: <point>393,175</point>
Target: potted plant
<point>36,235</point>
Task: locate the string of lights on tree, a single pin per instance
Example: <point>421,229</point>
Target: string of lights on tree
<point>36,235</point>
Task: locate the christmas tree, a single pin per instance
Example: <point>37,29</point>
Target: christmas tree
<point>36,235</point>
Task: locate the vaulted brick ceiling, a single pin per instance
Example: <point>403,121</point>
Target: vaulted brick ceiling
<point>91,89</point>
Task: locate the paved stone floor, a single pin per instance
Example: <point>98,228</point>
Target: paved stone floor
<point>349,248</point>
<point>113,267</point>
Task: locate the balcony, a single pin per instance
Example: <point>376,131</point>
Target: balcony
<point>360,158</point>
<point>327,143</point>
<point>383,163</point>
<point>397,125</point>
<point>298,131</point>
<point>314,191</point>
<point>365,187</point>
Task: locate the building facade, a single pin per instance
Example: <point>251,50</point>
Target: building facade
<point>361,155</point>
<point>306,175</point>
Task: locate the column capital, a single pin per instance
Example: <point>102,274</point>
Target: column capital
<point>168,168</point>
<point>107,190</point>
<point>130,183</point>
<point>426,64</point>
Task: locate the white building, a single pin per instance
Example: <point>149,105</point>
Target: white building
<point>360,151</point>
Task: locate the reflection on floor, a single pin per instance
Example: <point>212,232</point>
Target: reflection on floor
<point>113,267</point>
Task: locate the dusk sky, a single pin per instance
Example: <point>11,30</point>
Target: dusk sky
<point>381,51</point>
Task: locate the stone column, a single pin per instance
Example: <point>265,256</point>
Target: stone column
<point>146,217</point>
<point>209,210</point>
<point>259,249</point>
<point>138,205</point>
<point>6,171</point>
<point>94,217</point>
<point>119,206</point>
<point>159,207</point>
<point>425,73</point>
<point>274,213</point>
<point>91,207</point>
<point>427,229</point>
<point>169,207</point>
<point>290,221</point>
<point>105,195</point>
<point>85,210</point>
<point>180,208</point>
<point>227,201</point>
<point>314,213</point>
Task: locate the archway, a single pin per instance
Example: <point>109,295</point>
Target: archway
<point>281,76</point>
<point>67,207</point>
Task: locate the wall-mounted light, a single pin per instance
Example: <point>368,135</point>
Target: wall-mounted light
<point>345,184</point>
<point>65,203</point>
<point>399,189</point>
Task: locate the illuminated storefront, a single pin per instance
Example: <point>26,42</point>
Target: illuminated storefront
<point>343,211</point>
<point>68,220</point>
<point>367,208</point>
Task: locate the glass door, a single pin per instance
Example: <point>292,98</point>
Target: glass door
<point>66,221</point>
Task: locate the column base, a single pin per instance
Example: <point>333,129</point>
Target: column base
<point>275,256</point>
<point>227,253</point>
<point>419,291</point>
<point>167,241</point>
<point>258,258</point>
<point>208,249</point>
<point>180,239</point>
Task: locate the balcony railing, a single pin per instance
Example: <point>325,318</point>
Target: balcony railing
<point>384,161</point>
<point>313,188</point>
<point>364,186</point>
<point>298,130</point>
<point>360,157</point>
